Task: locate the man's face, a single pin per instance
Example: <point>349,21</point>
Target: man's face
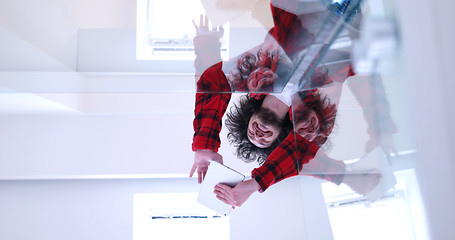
<point>264,128</point>
<point>309,127</point>
<point>261,79</point>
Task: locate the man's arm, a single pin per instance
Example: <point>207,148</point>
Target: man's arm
<point>370,94</point>
<point>201,163</point>
<point>212,99</point>
<point>335,171</point>
<point>321,167</point>
<point>237,195</point>
<point>325,168</point>
<point>210,104</point>
<point>285,161</point>
<point>207,46</point>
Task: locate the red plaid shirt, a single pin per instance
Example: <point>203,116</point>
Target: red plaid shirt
<point>213,90</point>
<point>210,108</point>
<point>289,32</point>
<point>289,157</point>
<point>213,97</point>
<point>285,161</point>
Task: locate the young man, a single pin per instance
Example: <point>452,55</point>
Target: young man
<point>285,41</point>
<point>313,114</point>
<point>214,89</point>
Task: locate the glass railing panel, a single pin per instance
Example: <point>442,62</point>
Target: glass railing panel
<point>330,69</point>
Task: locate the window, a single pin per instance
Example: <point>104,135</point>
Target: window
<point>176,216</point>
<point>397,215</point>
<point>165,30</point>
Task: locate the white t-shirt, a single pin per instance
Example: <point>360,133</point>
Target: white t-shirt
<point>286,95</point>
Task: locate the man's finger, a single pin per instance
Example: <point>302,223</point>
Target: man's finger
<point>221,31</point>
<point>199,175</point>
<point>206,22</point>
<point>223,200</point>
<point>387,154</point>
<point>225,187</point>
<point>201,21</point>
<point>217,157</point>
<point>223,197</point>
<point>226,190</point>
<point>395,152</point>
<point>195,25</point>
<point>193,169</point>
<point>204,172</point>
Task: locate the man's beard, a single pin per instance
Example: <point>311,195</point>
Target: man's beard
<point>269,117</point>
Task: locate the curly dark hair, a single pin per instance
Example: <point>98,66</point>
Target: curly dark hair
<point>248,63</point>
<point>240,114</point>
<point>324,109</point>
<point>237,124</point>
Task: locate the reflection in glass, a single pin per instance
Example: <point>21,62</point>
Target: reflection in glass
<point>293,58</point>
<point>292,49</point>
<point>172,40</point>
<point>306,109</point>
<point>288,120</point>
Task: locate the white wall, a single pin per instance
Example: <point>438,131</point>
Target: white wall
<point>59,145</point>
<point>429,56</point>
<point>294,209</point>
<point>52,25</point>
<point>114,50</point>
<point>20,55</point>
<point>76,209</point>
<point>103,209</point>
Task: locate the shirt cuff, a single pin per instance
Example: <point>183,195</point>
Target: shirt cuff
<point>256,175</point>
<point>204,146</point>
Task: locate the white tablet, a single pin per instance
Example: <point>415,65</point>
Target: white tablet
<point>217,173</point>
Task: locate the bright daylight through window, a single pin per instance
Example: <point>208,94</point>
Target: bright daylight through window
<point>353,217</point>
<point>165,30</point>
<point>176,216</point>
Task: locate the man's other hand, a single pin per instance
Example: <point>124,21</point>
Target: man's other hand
<point>362,183</point>
<point>237,195</point>
<point>204,28</point>
<point>201,163</point>
<point>385,141</point>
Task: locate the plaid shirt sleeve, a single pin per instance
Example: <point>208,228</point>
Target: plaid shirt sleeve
<point>292,157</point>
<point>212,98</point>
<point>289,32</point>
<point>285,161</point>
<point>371,96</point>
<point>207,49</point>
<point>325,168</point>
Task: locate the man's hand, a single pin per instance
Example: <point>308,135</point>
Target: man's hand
<point>362,183</point>
<point>238,195</point>
<point>202,160</point>
<point>385,141</point>
<point>204,29</point>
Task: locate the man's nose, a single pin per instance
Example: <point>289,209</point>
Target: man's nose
<point>259,134</point>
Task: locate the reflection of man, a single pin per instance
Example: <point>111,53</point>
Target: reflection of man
<point>261,138</point>
<point>283,157</point>
<point>314,115</point>
<point>285,40</point>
